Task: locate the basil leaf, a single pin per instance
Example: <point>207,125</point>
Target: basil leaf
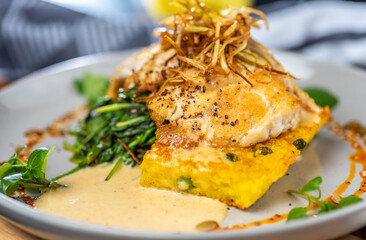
<point>10,184</point>
<point>15,155</point>
<point>322,97</point>
<point>296,213</point>
<point>36,163</point>
<point>5,169</point>
<point>349,201</point>
<point>312,185</point>
<point>12,188</point>
<point>28,174</point>
<point>92,86</point>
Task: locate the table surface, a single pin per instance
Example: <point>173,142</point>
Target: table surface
<point>10,232</point>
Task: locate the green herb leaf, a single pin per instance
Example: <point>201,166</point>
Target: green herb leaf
<point>15,157</point>
<point>296,213</point>
<point>31,174</point>
<point>312,185</point>
<point>9,184</point>
<point>349,201</point>
<point>12,183</point>
<point>322,97</point>
<point>4,169</point>
<point>92,86</point>
<point>326,207</point>
<point>36,163</point>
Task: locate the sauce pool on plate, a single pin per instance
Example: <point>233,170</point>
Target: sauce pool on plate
<point>121,202</point>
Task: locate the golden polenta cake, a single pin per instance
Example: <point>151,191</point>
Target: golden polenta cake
<point>236,176</point>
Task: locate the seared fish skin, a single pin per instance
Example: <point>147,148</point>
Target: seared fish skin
<point>219,109</point>
<point>225,111</point>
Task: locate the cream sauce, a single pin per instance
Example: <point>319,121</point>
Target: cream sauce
<point>122,202</point>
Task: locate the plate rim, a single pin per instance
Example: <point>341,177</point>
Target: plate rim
<point>35,216</point>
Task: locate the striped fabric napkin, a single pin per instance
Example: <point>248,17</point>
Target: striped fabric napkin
<point>328,30</point>
<point>35,34</point>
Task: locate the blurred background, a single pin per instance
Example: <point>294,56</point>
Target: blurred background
<point>38,33</point>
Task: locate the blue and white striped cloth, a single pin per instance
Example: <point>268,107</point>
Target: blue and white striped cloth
<point>328,30</point>
<point>35,34</point>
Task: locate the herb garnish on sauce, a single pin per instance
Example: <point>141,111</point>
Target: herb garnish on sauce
<point>17,172</point>
<point>314,185</point>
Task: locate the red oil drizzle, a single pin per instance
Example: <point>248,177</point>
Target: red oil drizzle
<point>344,186</point>
<point>24,197</point>
<point>56,129</point>
<point>360,158</point>
<point>355,134</point>
<point>275,218</point>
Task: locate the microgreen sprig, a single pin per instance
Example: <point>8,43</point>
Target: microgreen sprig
<point>314,185</point>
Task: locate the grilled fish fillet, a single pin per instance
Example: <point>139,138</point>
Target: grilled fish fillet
<point>227,120</point>
<point>227,112</point>
<point>220,110</point>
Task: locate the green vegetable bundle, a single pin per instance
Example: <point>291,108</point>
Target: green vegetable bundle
<point>114,130</point>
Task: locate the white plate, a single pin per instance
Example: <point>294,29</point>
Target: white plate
<point>38,99</point>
